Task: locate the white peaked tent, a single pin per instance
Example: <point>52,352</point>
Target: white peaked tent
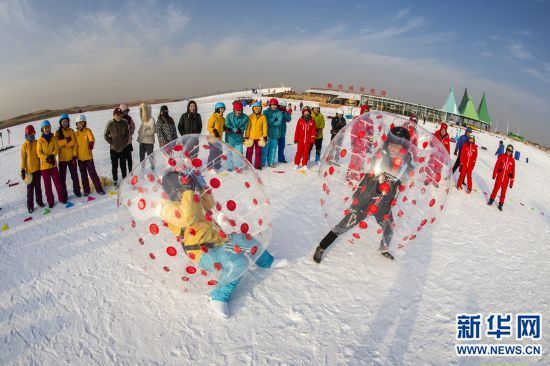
<point>450,104</point>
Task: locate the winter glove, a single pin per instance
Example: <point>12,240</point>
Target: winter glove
<point>511,184</point>
<point>23,174</point>
<point>73,161</point>
<point>216,133</point>
<point>494,177</point>
<point>239,131</point>
<point>68,139</point>
<point>227,129</point>
<point>50,159</point>
<point>261,141</point>
<point>248,142</point>
<point>90,145</point>
<point>295,141</point>
<point>456,153</point>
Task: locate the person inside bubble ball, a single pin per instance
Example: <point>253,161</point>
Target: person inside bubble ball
<point>202,237</point>
<point>375,195</point>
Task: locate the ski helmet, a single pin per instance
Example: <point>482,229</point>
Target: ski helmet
<point>63,116</point>
<point>413,118</point>
<point>29,130</point>
<point>340,111</point>
<point>306,109</point>
<point>510,147</point>
<point>469,129</point>
<point>176,182</point>
<point>443,126</point>
<point>398,135</point>
<point>81,118</point>
<point>472,137</point>
<point>219,105</point>
<point>117,111</point>
<point>282,103</point>
<point>257,105</point>
<point>237,106</point>
<point>124,107</point>
<point>273,101</point>
<point>45,123</point>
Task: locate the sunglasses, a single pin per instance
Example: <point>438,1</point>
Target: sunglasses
<point>509,150</point>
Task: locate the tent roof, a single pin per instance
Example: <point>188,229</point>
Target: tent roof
<point>464,101</point>
<point>483,111</point>
<point>469,111</point>
<point>450,103</point>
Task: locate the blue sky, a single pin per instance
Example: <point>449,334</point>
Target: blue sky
<point>63,53</point>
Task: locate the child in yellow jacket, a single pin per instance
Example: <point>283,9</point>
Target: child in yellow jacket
<point>46,149</point>
<point>255,135</point>
<point>85,141</point>
<point>216,125</point>
<point>30,169</point>
<point>67,154</point>
<point>203,240</point>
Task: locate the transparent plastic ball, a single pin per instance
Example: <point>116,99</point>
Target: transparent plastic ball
<point>194,214</point>
<point>383,187</point>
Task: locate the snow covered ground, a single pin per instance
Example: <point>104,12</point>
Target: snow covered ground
<point>69,293</point>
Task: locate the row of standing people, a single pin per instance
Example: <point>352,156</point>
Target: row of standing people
<point>49,157</point>
<point>504,170</point>
<point>262,133</point>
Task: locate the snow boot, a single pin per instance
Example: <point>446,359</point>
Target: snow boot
<point>31,210</point>
<point>387,255</point>
<point>318,254</point>
<point>101,193</point>
<point>220,307</point>
<point>279,263</point>
<point>500,206</point>
<point>317,157</point>
<point>490,203</point>
<point>41,204</point>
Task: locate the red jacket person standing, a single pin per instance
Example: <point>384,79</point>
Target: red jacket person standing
<point>443,136</point>
<point>304,136</point>
<point>468,157</point>
<point>503,174</point>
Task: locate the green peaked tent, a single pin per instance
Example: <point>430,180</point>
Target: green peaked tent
<point>464,101</point>
<point>450,103</point>
<point>469,110</point>
<point>483,111</point>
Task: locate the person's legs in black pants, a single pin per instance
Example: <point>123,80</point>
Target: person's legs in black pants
<point>318,147</point>
<point>141,152</point>
<point>457,163</point>
<point>123,157</point>
<point>356,214</point>
<point>114,165</point>
<point>387,233</point>
<point>128,156</point>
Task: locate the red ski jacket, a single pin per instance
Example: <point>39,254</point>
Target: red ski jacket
<point>468,156</point>
<point>305,131</point>
<point>505,170</point>
<point>446,141</point>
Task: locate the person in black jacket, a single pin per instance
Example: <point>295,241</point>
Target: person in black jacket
<point>191,123</point>
<point>376,192</point>
<point>338,122</point>
<point>165,128</point>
